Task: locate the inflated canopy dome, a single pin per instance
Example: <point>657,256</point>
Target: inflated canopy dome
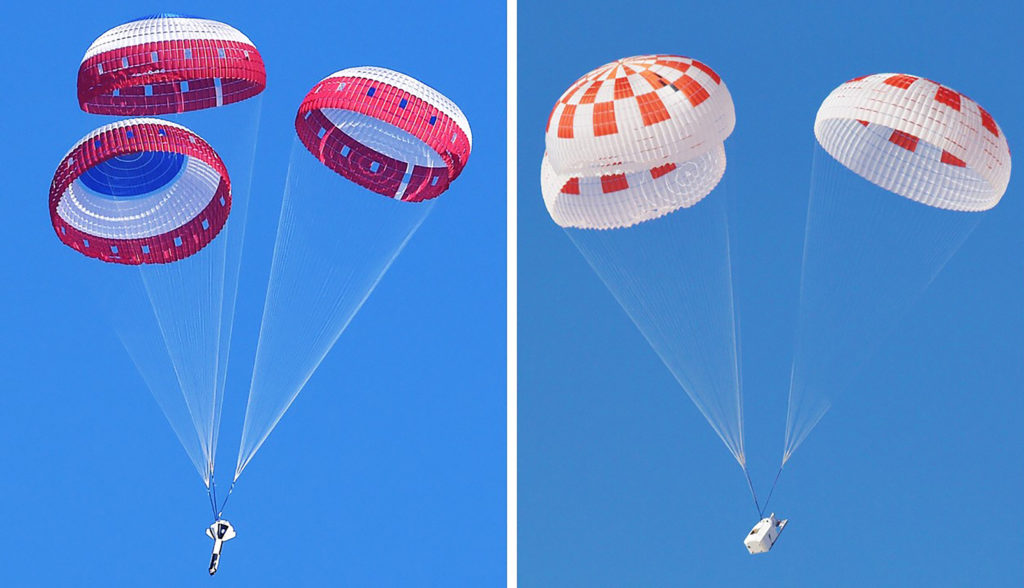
<point>916,138</point>
<point>139,191</point>
<point>634,140</point>
<point>168,63</point>
<point>385,131</point>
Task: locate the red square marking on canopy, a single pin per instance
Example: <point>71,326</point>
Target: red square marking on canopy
<point>988,122</point>
<point>591,94</point>
<point>623,89</point>
<point>565,121</point>
<point>614,183</point>
<point>653,79</point>
<point>680,66</point>
<point>572,186</point>
<point>652,109</point>
<point>948,97</point>
<point>604,119</point>
<point>661,170</point>
<point>863,122</point>
<point>692,89</point>
<point>900,81</point>
<point>951,159</point>
<point>904,140</point>
<point>707,70</point>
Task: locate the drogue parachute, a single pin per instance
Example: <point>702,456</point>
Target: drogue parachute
<point>373,150</point>
<point>635,152</point>
<point>903,169</point>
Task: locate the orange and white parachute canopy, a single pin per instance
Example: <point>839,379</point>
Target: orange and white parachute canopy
<point>918,139</point>
<point>634,140</point>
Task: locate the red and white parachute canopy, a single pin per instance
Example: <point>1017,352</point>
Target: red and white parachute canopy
<point>168,63</point>
<point>917,138</point>
<point>634,140</point>
<point>385,131</point>
<point>141,190</point>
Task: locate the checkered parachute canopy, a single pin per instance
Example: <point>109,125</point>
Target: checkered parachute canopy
<point>634,140</point>
<point>918,139</point>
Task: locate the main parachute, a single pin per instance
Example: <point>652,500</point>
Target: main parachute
<point>385,131</point>
<point>140,191</point>
<point>918,139</point>
<point>167,63</point>
<point>634,140</point>
<point>399,144</point>
<point>634,148</point>
<point>867,254</point>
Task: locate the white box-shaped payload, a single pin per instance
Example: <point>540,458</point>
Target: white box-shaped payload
<point>764,534</point>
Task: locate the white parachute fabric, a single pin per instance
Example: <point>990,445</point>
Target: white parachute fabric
<point>633,150</point>
<point>867,252</point>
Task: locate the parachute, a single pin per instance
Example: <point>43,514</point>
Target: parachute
<point>140,191</point>
<point>157,202</point>
<point>635,150</point>
<point>385,133</point>
<point>145,192</point>
<point>167,63</point>
<point>867,253</point>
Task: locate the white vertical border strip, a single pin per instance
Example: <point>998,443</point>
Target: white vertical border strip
<point>511,301</point>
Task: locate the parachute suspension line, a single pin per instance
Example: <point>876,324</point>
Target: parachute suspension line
<point>211,492</point>
<point>319,280</point>
<point>770,492</point>
<point>816,207</point>
<point>672,278</point>
<point>750,485</point>
<point>231,489</point>
<point>236,230</point>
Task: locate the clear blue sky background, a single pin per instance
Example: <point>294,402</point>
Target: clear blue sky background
<point>914,478</point>
<point>388,470</point>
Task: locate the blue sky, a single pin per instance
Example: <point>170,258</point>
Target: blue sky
<point>913,478</point>
<point>384,472</point>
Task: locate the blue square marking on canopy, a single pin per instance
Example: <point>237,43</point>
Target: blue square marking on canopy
<point>403,103</point>
<point>374,166</point>
<point>177,241</point>
<point>433,119</point>
<point>345,151</point>
<point>371,91</point>
<point>145,249</point>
